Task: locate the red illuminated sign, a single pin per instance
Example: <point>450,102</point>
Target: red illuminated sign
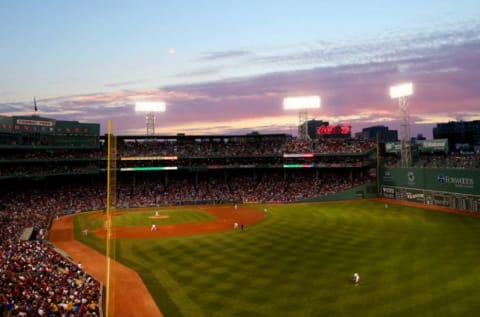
<point>334,129</point>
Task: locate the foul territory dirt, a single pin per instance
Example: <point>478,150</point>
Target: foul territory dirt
<point>126,281</point>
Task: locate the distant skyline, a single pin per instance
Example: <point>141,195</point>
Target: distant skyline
<point>224,67</point>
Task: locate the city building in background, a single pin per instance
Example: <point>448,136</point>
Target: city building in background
<point>461,135</point>
<point>383,132</point>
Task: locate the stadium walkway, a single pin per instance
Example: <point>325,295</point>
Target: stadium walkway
<point>129,295</point>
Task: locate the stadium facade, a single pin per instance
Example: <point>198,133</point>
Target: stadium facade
<point>34,130</point>
<point>273,167</point>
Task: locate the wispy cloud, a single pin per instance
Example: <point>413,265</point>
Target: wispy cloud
<point>206,71</point>
<point>222,55</point>
<point>124,83</point>
<point>214,63</point>
<point>387,47</point>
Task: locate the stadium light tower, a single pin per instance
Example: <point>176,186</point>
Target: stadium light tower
<point>302,104</point>
<point>150,108</point>
<point>401,92</point>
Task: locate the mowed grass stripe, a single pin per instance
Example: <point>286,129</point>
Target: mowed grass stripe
<point>156,278</point>
<point>300,259</point>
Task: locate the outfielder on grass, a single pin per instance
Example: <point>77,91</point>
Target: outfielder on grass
<point>356,278</point>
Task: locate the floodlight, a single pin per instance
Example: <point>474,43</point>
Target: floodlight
<point>302,103</point>
<point>402,90</point>
<point>307,102</point>
<point>150,106</point>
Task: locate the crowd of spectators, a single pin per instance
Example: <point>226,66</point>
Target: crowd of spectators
<point>201,147</point>
<point>205,154</point>
<point>248,186</point>
<point>38,169</point>
<point>449,161</point>
<point>231,147</point>
<point>329,146</point>
<point>42,154</point>
<point>453,161</point>
<point>36,280</point>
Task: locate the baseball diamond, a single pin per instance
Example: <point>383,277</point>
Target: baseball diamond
<point>285,248</point>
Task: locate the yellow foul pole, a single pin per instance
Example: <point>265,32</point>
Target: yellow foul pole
<point>110,206</point>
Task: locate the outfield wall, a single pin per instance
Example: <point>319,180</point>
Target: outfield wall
<point>453,188</point>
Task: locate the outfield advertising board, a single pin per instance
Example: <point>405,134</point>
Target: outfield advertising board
<point>433,146</point>
<point>393,147</point>
<point>435,179</point>
<point>413,195</point>
<point>442,199</point>
<point>388,192</point>
<point>453,188</point>
<point>458,181</point>
<point>403,177</point>
<point>438,199</point>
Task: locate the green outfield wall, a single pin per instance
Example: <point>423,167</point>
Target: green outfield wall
<point>453,188</point>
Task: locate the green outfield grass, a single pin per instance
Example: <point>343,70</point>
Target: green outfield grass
<point>299,261</point>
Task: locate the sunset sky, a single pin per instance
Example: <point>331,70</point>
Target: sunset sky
<point>224,67</point>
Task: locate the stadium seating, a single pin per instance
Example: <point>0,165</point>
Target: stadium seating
<point>40,184</point>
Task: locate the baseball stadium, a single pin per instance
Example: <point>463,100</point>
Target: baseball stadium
<point>233,225</point>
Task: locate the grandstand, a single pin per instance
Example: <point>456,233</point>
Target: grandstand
<point>198,169</point>
<point>50,168</point>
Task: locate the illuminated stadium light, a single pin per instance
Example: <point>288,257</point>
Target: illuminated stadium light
<point>402,90</point>
<point>301,104</point>
<point>307,102</point>
<point>150,108</point>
